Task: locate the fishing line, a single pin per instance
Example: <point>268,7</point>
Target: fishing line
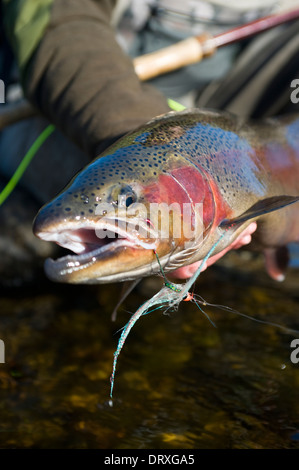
<point>205,314</point>
<point>162,271</point>
<point>175,106</point>
<point>43,136</point>
<point>25,162</point>
<point>232,310</point>
<point>173,287</point>
<point>192,279</point>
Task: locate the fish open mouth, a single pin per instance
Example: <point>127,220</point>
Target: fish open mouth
<point>103,250</point>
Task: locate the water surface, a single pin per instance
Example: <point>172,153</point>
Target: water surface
<point>180,382</point>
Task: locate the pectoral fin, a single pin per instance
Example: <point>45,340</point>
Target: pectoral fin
<point>262,207</point>
<point>127,288</point>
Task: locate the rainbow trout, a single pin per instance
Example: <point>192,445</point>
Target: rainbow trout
<point>176,187</point>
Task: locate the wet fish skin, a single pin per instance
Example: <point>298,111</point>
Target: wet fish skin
<point>239,171</point>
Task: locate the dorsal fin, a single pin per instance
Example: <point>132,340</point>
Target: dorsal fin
<point>262,207</point>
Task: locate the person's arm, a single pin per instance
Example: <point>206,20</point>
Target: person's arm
<point>76,74</point>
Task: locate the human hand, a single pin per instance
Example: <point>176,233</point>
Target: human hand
<point>243,239</point>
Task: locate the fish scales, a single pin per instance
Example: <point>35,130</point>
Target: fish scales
<point>237,171</point>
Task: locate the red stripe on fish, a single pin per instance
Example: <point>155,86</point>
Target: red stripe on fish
<point>202,188</point>
<point>188,184</point>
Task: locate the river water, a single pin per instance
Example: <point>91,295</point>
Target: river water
<point>180,382</point>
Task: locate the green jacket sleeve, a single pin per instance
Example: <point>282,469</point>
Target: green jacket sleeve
<point>25,23</point>
<point>75,72</point>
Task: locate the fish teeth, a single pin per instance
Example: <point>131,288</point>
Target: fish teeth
<point>65,239</point>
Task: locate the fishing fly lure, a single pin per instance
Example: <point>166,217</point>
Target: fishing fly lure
<point>170,295</point>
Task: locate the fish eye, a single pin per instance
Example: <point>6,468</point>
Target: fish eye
<point>124,193</point>
<point>130,199</point>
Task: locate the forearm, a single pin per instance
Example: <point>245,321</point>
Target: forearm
<point>83,82</point>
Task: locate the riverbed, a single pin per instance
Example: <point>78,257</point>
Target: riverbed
<point>180,382</point>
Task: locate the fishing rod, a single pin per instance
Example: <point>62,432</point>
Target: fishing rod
<point>186,52</point>
<point>194,49</point>
<point>168,59</point>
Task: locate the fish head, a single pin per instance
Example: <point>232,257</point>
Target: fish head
<point>140,199</point>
